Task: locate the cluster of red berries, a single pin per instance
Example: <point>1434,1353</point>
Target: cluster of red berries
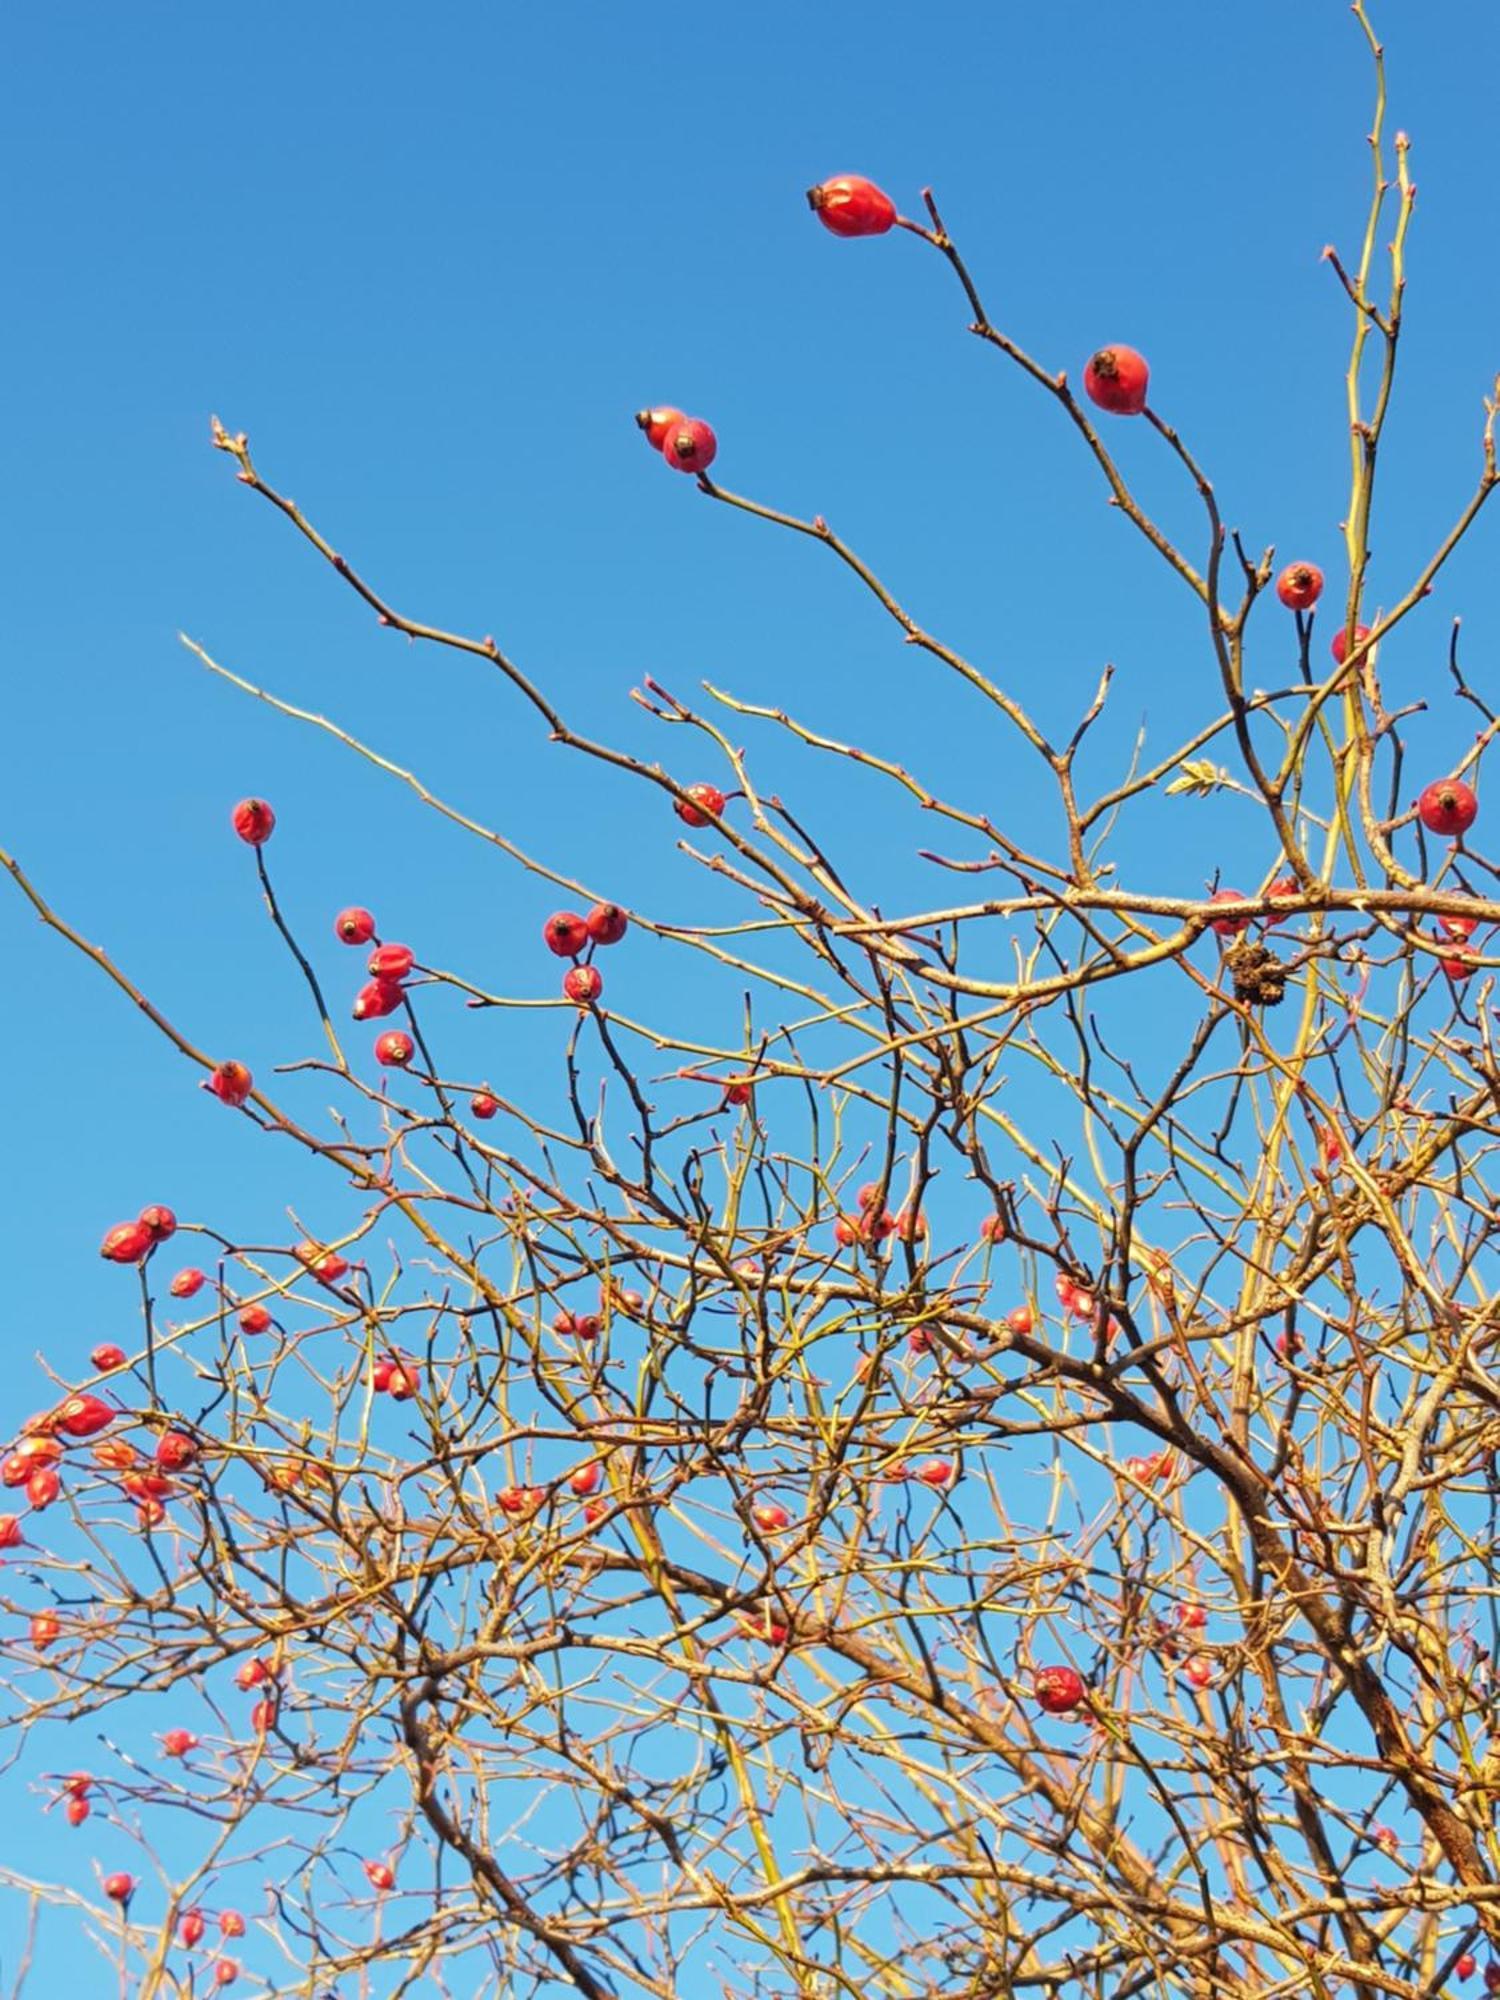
<point>875,1223</point>
<point>385,989</point>
<point>568,935</point>
<point>133,1242</point>
<point>396,1376</point>
<point>687,443</point>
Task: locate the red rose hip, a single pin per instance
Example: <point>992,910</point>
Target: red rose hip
<point>254,821</point>
<point>1299,586</point>
<point>1338,645</point>
<point>656,423</point>
<point>850,205</point>
<point>354,925</point>
<point>231,1083</point>
<point>391,962</point>
<point>1059,1690</point>
<point>583,984</point>
<point>699,801</point>
<point>376,999</point>
<point>1447,807</point>
<point>607,923</point>
<point>1116,379</point>
<point>565,933</point>
<point>690,446</point>
<point>394,1049</point>
<point>127,1243</point>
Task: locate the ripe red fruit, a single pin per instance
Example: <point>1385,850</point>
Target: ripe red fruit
<point>150,1514</point>
<point>159,1221</point>
<point>1338,645</point>
<point>83,1416</point>
<point>395,1048</point>
<point>919,1340</point>
<point>377,998</point>
<point>1464,1966</point>
<point>175,1451</point>
<point>380,1875</point>
<point>190,1930</point>
<point>607,923</point>
<point>690,446</point>
<point>1200,1671</point>
<point>482,1105</point>
<point>993,1229</point>
<point>77,1784</point>
<point>849,205</point>
<point>255,1319</point>
<point>699,802</point>
<point>226,1972</point>
<point>939,1472</point>
<point>656,424</point>
<point>1229,926</point>
<point>770,1517</point>
<point>1020,1319</point>
<point>354,925</point>
<point>739,1093</point>
<point>254,821</point>
<point>595,1511</point>
<point>586,1480</point>
<point>146,1485</point>
<point>583,983</point>
<point>76,1811</point>
<point>45,1627</point>
<point>119,1888</point>
<point>1459,965</point>
<point>1192,1617</point>
<point>231,1083</point>
<point>1059,1690</point>
<point>401,1383</point>
<point>1458,926</point>
<point>106,1357</point>
<point>1116,379</point>
<point>114,1454</point>
<point>325,1264</point>
<point>391,961</point>
<point>251,1674</point>
<point>1299,586</point>
<point>43,1487</point>
<point>187,1283</point>
<point>127,1243</point>
<point>565,933</point>
<point>263,1717</point>
<point>1447,807</point>
<point>178,1742</point>
<point>231,1924</point>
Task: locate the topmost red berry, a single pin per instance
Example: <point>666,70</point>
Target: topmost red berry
<point>1299,586</point>
<point>852,206</point>
<point>354,925</point>
<point>254,821</point>
<point>690,445</point>
<point>656,424</point>
<point>1116,379</point>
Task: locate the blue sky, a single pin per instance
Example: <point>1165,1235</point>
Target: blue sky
<point>432,260</point>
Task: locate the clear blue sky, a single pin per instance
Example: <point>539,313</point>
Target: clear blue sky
<point>432,260</point>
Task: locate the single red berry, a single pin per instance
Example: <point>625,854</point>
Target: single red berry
<point>518,1499</point>
<point>594,1511</point>
<point>607,923</point>
<point>739,1093</point>
<point>378,998</point>
<point>76,1811</point>
<point>254,821</point>
<point>402,1383</point>
<point>114,1454</point>
<point>770,1517</point>
<point>1192,1617</point>
<point>255,1319</point>
<point>919,1340</point>
<point>1338,645</point>
<point>911,1226</point>
<point>325,1264</point>
<point>226,1972</point>
<point>993,1229</point>
<point>690,446</point>
<point>868,1194</point>
<point>178,1742</point>
<point>159,1220</point>
<point>394,1048</point>
<point>175,1451</point>
<point>188,1282</point>
<point>1447,807</point>
<point>106,1357</point>
<point>43,1486</point>
<point>1228,927</point>
<point>82,1416</point>
<point>380,1875</point>
<point>1284,885</point>
<point>354,925</point>
<point>1299,586</point>
<point>150,1514</point>
<point>190,1930</point>
<point>698,802</point>
<point>1020,1319</point>
<point>939,1472</point>
<point>1200,1671</point>
<point>656,424</point>
<point>482,1105</point>
<point>1116,379</point>
<point>231,1924</point>
<point>1059,1690</point>
<point>849,205</point>
<point>127,1243</point>
<point>1458,925</point>
<point>583,983</point>
<point>391,962</point>
<point>45,1627</point>
<point>263,1717</point>
<point>586,1479</point>
<point>251,1674</point>
<point>565,933</point>
<point>1459,965</point>
<point>119,1888</point>
<point>1465,1964</point>
<point>231,1083</point>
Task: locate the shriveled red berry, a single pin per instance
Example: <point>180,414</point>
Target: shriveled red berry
<point>1299,586</point>
<point>254,821</point>
<point>127,1243</point>
<point>354,925</point>
<point>394,1048</point>
<point>690,446</point>
<point>850,205</point>
<point>1116,379</point>
<point>698,802</point>
<point>377,998</point>
<point>482,1105</point>
<point>1059,1690</point>
<point>231,1083</point>
<point>188,1282</point>
<point>565,933</point>
<point>656,424</point>
<point>1338,645</point>
<point>84,1416</point>
<point>107,1357</point>
<point>583,983</point>
<point>607,923</point>
<point>43,1486</point>
<point>1447,807</point>
<point>1228,927</point>
<point>391,962</point>
<point>10,1531</point>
